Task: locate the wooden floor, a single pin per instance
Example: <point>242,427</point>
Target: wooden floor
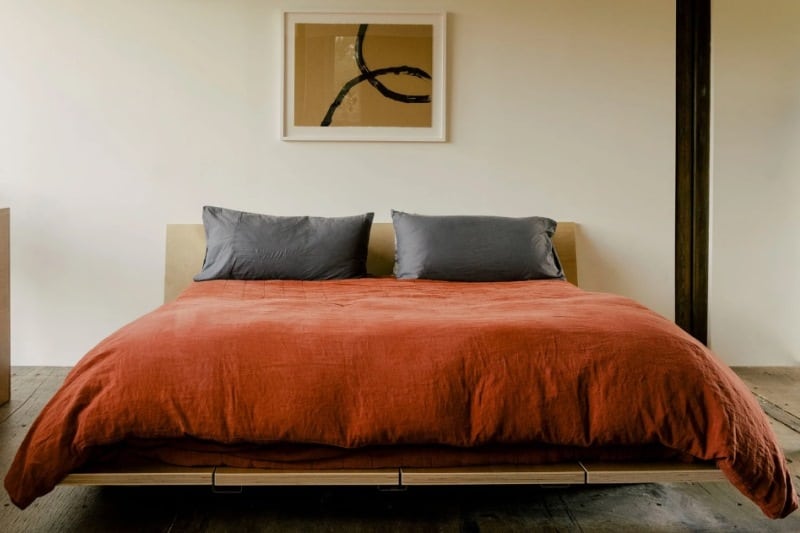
<point>646,507</point>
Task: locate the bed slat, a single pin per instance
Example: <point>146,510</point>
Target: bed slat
<point>621,473</point>
<point>144,475</point>
<point>561,474</point>
<point>227,477</point>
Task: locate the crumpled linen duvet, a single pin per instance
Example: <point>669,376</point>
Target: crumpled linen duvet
<point>354,364</point>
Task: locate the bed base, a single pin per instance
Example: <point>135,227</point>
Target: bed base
<point>560,474</point>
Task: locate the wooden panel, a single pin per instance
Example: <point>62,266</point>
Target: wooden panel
<point>186,249</point>
<point>186,245</point>
<point>143,475</point>
<point>5,311</point>
<point>597,473</point>
<point>564,241</point>
<point>226,477</point>
<point>561,474</point>
<point>380,258</point>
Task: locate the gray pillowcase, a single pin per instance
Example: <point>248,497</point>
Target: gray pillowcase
<point>242,245</point>
<point>474,248</point>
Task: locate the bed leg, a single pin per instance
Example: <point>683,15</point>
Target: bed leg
<point>217,489</point>
<point>392,488</point>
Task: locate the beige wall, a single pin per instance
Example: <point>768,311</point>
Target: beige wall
<point>755,253</point>
<point>120,116</point>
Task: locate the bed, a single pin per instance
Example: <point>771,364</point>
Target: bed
<point>361,387</point>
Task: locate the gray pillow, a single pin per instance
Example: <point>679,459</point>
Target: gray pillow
<point>242,245</point>
<point>475,248</point>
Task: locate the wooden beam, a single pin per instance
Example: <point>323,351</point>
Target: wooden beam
<point>692,156</point>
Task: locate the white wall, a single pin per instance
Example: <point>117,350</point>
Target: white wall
<point>754,304</point>
<point>118,117</point>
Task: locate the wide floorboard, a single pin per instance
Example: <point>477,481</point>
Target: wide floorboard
<point>645,507</point>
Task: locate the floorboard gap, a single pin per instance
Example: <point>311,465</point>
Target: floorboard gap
<point>779,413</point>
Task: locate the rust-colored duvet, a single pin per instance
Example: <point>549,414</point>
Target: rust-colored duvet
<point>360,364</point>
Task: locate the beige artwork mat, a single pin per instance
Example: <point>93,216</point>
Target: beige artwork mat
<point>395,90</point>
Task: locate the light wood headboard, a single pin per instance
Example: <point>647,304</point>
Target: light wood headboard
<point>186,248</point>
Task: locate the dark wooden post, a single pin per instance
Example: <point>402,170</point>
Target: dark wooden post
<point>693,61</point>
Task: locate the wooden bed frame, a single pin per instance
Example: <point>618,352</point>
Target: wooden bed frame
<point>184,257</point>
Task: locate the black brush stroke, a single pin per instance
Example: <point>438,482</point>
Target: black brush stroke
<point>371,76</point>
<point>385,91</point>
<point>412,71</point>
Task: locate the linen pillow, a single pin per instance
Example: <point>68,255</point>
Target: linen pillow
<point>241,245</point>
<point>474,248</point>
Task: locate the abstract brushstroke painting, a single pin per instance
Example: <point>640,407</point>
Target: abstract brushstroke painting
<point>390,38</point>
<point>364,77</point>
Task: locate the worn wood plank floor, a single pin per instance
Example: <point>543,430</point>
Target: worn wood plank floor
<point>646,507</point>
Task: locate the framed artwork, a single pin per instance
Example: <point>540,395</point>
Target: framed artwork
<point>363,77</point>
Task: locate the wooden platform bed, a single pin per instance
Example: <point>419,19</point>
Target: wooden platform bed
<point>481,363</point>
<point>184,256</point>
